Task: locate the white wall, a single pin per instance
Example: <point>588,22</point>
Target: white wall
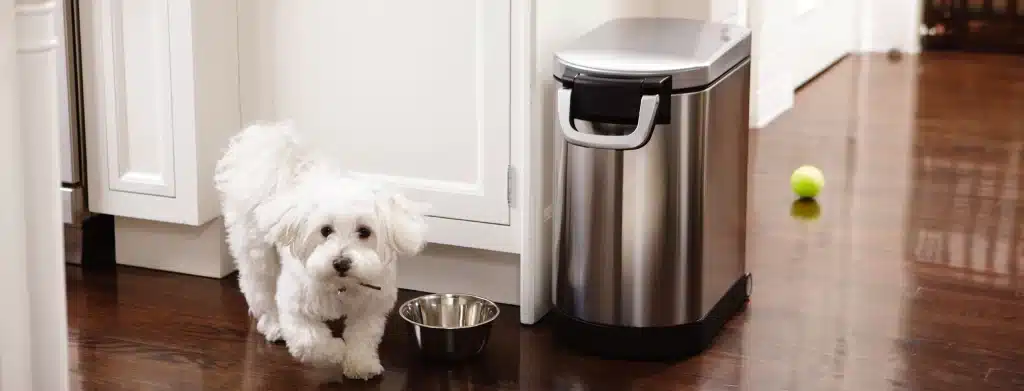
<point>889,24</point>
<point>771,80</point>
<point>880,25</point>
<point>728,11</point>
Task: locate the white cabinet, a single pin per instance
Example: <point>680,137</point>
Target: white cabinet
<point>410,92</point>
<point>160,86</point>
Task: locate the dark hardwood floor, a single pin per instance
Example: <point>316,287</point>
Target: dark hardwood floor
<point>911,277</point>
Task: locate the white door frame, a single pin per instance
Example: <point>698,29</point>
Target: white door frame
<point>33,335</point>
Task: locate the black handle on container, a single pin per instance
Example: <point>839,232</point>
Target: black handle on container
<point>616,100</point>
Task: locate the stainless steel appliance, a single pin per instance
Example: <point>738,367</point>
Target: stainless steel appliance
<point>650,202</point>
<point>89,238</point>
<point>71,124</point>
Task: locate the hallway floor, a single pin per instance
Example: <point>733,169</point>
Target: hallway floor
<point>911,277</point>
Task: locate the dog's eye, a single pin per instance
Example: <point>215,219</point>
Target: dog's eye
<point>364,232</point>
<point>326,231</point>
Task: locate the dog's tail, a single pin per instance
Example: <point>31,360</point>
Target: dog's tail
<point>259,160</point>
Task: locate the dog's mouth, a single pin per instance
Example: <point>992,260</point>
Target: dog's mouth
<point>363,284</point>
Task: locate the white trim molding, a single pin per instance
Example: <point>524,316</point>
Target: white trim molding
<point>533,259</point>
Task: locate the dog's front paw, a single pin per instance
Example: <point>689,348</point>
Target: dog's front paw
<point>320,353</point>
<point>362,364</point>
<point>269,327</point>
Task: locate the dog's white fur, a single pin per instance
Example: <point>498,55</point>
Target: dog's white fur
<point>277,195</point>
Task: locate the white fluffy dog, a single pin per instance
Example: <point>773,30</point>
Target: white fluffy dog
<point>313,245</point>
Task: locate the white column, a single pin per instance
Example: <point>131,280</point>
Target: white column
<point>15,374</point>
<point>35,153</point>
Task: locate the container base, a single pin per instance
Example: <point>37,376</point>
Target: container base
<point>652,343</point>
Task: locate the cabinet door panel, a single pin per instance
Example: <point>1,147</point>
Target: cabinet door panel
<point>130,72</point>
<point>415,93</point>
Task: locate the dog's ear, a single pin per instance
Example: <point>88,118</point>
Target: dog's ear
<point>304,243</point>
<point>404,223</point>
<point>281,218</point>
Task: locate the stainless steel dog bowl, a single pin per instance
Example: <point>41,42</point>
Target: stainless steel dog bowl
<point>449,326</point>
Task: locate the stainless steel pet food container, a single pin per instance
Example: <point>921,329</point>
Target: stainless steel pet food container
<point>650,202</point>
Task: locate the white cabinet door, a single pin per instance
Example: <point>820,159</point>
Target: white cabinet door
<point>823,32</point>
<point>160,90</point>
<point>129,44</point>
<point>412,92</point>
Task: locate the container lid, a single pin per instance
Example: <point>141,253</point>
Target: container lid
<point>693,53</point>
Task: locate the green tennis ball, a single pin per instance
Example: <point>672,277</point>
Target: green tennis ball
<point>807,181</point>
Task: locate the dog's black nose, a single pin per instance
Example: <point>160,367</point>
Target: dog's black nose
<point>341,265</point>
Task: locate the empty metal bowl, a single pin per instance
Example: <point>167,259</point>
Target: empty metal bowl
<point>449,326</point>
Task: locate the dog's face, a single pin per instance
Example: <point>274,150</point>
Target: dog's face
<point>347,231</point>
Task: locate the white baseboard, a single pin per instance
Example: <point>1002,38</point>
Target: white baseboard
<point>199,251</point>
<point>450,269</point>
<point>202,251</point>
